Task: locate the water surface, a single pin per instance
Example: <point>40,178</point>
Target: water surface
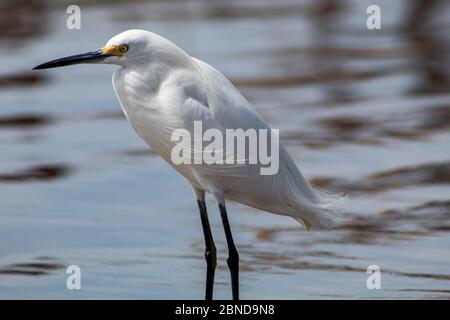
<point>366,113</point>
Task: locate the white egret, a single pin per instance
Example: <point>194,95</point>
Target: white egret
<point>161,89</point>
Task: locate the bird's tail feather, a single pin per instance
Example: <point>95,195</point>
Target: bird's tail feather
<point>322,212</point>
<point>313,207</point>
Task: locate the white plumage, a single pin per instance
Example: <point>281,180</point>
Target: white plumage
<point>161,88</point>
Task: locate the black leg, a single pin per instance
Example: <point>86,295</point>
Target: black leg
<point>210,251</point>
<point>233,256</point>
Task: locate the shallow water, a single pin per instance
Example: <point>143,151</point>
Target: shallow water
<point>362,112</point>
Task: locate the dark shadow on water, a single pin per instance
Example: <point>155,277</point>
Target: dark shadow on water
<point>431,43</point>
<point>44,172</point>
<point>382,228</point>
<point>397,224</point>
<point>373,129</point>
<point>425,174</point>
<point>315,78</point>
<point>106,115</point>
<point>25,121</point>
<point>22,79</point>
<point>35,268</point>
<point>143,152</point>
<point>22,20</point>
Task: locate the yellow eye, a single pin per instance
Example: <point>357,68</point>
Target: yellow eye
<point>123,48</point>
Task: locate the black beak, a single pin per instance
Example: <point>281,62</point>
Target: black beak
<point>89,57</point>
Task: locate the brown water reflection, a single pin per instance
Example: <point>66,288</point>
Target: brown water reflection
<point>25,121</point>
<point>297,80</point>
<point>36,268</point>
<point>45,172</point>
<point>433,46</point>
<point>414,124</point>
<point>21,79</point>
<point>385,226</point>
<point>434,173</point>
<point>21,20</point>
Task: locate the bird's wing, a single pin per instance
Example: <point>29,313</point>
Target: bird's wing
<point>192,113</point>
<point>221,108</point>
<point>228,106</point>
<point>285,192</point>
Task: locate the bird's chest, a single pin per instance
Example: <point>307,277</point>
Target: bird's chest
<point>139,95</point>
<point>136,91</point>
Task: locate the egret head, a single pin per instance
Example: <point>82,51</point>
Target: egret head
<point>125,49</point>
